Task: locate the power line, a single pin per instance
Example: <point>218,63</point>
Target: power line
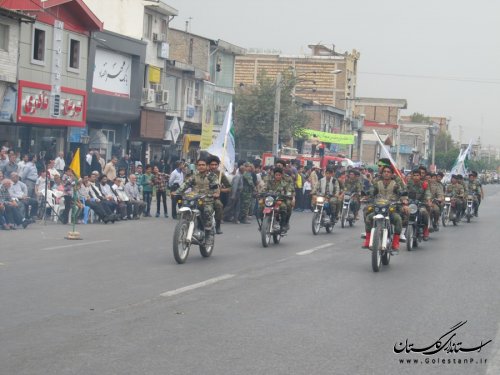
<point>494,81</point>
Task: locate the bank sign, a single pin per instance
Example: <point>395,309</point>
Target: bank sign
<point>36,105</point>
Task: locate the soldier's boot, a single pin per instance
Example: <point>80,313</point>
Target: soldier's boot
<point>366,244</point>
<point>395,244</point>
<point>217,227</point>
<point>426,233</point>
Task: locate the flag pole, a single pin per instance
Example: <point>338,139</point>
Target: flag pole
<point>75,168</point>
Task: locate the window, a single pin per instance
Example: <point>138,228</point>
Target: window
<point>74,54</point>
<point>4,37</point>
<point>148,26</point>
<point>39,45</point>
<point>164,27</point>
<point>189,92</point>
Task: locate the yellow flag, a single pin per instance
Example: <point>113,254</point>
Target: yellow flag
<point>75,164</point>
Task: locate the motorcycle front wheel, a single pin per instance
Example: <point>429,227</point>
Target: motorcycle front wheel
<point>409,237</point>
<point>265,231</point>
<point>316,223</point>
<point>343,217</point>
<point>376,249</point>
<point>469,214</point>
<point>205,250</point>
<point>180,245</point>
<point>445,216</point>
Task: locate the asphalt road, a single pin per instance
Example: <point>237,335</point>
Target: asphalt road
<point>117,303</point>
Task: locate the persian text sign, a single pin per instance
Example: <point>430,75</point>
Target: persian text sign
<point>111,73</point>
<point>35,102</point>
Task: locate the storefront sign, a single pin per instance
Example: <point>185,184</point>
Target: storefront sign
<point>35,102</point>
<point>111,73</point>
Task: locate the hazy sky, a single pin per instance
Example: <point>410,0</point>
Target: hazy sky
<point>454,43</point>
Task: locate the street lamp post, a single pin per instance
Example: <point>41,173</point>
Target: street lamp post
<point>277,108</point>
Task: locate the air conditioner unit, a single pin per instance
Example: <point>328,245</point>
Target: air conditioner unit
<point>165,96</point>
<point>150,95</point>
<point>155,37</point>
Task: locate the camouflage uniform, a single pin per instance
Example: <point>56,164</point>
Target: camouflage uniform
<point>421,194</point>
<point>391,192</point>
<point>246,196</point>
<point>457,191</point>
<point>282,188</point>
<point>475,187</point>
<point>436,189</point>
<point>218,206</point>
<point>206,183</point>
<point>332,195</point>
<point>354,186</point>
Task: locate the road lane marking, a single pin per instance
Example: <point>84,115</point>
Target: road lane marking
<point>74,245</point>
<point>494,365</point>
<point>174,292</point>
<point>310,251</point>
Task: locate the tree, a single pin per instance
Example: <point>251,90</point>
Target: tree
<point>420,118</point>
<point>447,151</point>
<point>254,113</point>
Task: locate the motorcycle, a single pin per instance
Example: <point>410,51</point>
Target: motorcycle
<point>415,228</point>
<point>270,220</point>
<point>347,216</point>
<point>190,229</point>
<point>449,211</point>
<point>381,233</point>
<point>321,218</point>
<point>469,207</point>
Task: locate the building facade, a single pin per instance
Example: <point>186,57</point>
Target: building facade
<point>51,73</point>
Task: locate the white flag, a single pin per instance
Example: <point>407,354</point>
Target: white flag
<point>224,146</point>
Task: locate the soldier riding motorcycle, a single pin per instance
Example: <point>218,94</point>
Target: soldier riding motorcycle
<point>197,213</point>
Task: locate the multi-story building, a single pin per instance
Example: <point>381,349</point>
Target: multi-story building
<point>200,72</point>
<point>114,86</point>
<point>324,78</point>
<point>9,51</point>
<point>52,73</point>
<point>147,21</point>
<point>382,115</point>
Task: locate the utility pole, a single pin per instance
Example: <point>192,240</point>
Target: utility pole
<point>276,124</point>
<point>398,140</point>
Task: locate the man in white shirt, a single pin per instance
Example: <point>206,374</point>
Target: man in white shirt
<point>60,164</point>
<point>175,181</point>
<point>132,190</point>
<point>19,191</point>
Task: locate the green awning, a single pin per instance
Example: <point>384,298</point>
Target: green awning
<point>339,139</point>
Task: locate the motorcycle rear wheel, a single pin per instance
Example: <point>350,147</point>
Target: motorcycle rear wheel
<point>265,231</point>
<point>376,251</point>
<point>180,246</point>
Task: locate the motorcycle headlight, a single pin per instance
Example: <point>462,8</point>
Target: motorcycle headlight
<point>470,197</point>
<point>269,201</point>
<point>346,196</point>
<point>447,199</point>
<point>413,208</point>
<point>320,199</point>
<point>377,210</point>
<point>383,209</point>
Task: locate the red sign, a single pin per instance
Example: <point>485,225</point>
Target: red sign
<point>36,105</point>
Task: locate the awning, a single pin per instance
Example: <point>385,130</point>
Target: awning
<point>339,139</point>
<point>188,138</point>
